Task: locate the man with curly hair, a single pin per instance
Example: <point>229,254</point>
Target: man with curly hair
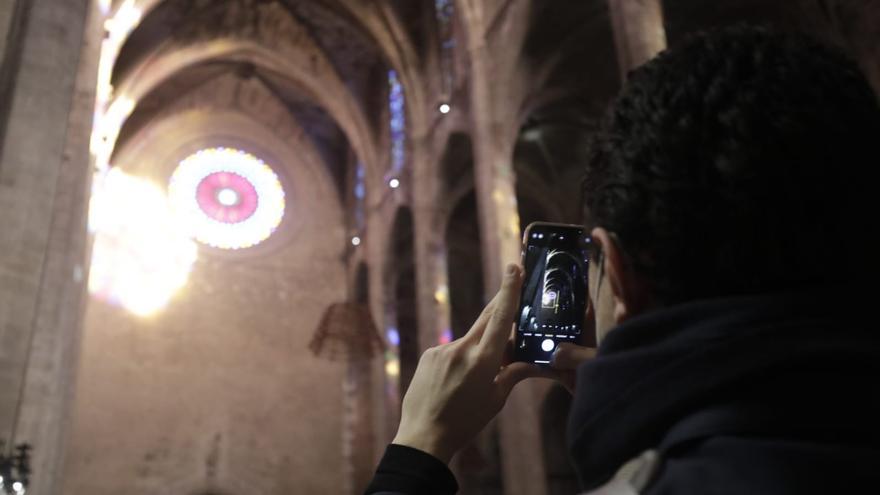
<point>729,192</point>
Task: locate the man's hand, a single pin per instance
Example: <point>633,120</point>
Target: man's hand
<point>460,386</point>
<point>566,360</point>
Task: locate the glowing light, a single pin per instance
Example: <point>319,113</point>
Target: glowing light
<point>445,336</point>
<point>126,19</point>
<point>141,256</point>
<point>104,6</point>
<point>392,367</point>
<point>227,198</point>
<point>445,108</point>
<point>355,241</point>
<point>549,299</point>
<point>106,130</point>
<point>394,183</point>
<point>109,116</point>
<point>441,295</point>
<point>513,224</point>
<point>393,336</point>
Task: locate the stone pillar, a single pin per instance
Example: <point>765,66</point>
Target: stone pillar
<point>520,435</point>
<point>7,13</point>
<point>429,253</point>
<point>639,33</point>
<point>13,18</point>
<point>44,183</point>
<point>357,416</point>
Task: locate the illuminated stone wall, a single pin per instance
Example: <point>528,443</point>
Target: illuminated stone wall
<point>217,390</point>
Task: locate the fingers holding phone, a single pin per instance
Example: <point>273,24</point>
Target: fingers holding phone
<point>565,361</point>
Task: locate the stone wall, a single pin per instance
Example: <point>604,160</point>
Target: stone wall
<point>218,392</point>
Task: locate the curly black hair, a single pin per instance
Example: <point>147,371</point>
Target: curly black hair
<point>728,164</point>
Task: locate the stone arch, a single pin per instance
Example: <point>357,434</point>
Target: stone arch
<point>328,91</point>
<point>250,99</point>
<point>549,156</point>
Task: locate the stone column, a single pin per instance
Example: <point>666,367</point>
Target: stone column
<point>639,33</point>
<point>44,179</point>
<point>358,435</point>
<point>13,18</point>
<point>428,237</point>
<point>8,11</point>
<point>520,435</point>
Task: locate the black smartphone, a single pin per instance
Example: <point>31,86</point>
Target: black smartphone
<point>554,296</point>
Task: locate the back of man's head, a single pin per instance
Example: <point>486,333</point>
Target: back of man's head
<point>739,162</point>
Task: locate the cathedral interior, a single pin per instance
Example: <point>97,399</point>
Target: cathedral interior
<point>231,227</point>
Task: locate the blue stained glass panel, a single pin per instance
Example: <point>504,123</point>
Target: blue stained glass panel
<point>397,107</point>
<point>445,10</point>
<point>360,193</point>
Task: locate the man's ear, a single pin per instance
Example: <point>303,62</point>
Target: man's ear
<point>628,291</point>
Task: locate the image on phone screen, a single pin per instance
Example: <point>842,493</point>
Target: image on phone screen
<point>554,294</point>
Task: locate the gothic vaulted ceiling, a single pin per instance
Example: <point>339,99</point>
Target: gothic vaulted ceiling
<point>342,59</point>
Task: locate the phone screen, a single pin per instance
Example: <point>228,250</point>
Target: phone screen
<point>554,294</point>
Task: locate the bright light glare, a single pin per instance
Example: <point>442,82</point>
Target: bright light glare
<point>394,183</point>
<point>257,227</point>
<point>141,255</point>
<point>355,241</point>
<point>104,6</point>
<point>441,295</point>
<point>445,108</point>
<point>109,116</point>
<point>227,197</point>
<point>392,367</point>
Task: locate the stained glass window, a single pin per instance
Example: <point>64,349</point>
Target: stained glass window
<point>397,108</point>
<point>360,194</point>
<point>227,198</point>
<point>445,11</point>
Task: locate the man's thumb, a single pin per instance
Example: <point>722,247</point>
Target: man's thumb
<point>570,356</point>
<point>516,372</point>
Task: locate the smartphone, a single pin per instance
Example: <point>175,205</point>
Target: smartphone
<point>554,296</point>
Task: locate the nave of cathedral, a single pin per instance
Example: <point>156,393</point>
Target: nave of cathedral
<point>231,227</point>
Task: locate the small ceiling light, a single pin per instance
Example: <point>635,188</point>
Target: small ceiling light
<point>445,108</point>
<point>355,241</point>
<point>394,183</point>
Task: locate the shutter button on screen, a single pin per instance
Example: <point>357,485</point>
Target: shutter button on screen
<point>548,345</point>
